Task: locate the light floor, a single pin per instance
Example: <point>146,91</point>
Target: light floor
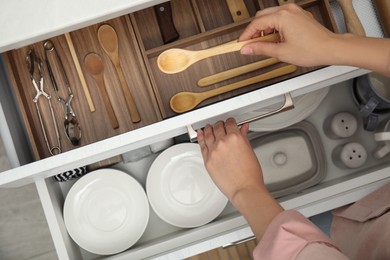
<point>24,233</point>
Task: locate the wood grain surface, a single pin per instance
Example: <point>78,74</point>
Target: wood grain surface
<point>95,126</point>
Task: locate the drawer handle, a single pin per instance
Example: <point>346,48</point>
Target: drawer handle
<point>236,243</point>
<point>287,105</point>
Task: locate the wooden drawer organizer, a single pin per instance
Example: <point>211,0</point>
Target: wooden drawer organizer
<point>200,23</point>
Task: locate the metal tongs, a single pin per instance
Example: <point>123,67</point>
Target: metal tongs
<point>34,66</point>
<point>71,124</point>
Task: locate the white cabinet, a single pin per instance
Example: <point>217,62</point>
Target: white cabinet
<point>340,187</point>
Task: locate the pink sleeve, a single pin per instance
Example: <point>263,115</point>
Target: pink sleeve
<point>287,235</point>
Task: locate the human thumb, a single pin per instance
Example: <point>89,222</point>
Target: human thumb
<point>259,48</point>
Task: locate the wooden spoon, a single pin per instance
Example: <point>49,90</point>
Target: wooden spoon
<point>351,19</point>
<point>176,60</point>
<point>185,101</point>
<point>94,66</point>
<point>109,42</point>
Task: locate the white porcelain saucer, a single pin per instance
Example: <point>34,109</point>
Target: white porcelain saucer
<point>106,211</point>
<point>180,189</point>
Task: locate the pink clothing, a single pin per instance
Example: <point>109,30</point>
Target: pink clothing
<point>292,236</point>
<point>362,230</point>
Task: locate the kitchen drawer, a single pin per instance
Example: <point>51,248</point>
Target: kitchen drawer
<point>339,188</point>
<point>140,43</point>
<point>160,240</point>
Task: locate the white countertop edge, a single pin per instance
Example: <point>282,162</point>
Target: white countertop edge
<point>26,22</point>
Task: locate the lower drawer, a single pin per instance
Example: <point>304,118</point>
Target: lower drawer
<point>160,240</point>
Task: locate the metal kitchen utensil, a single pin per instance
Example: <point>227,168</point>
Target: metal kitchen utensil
<point>108,40</point>
<point>287,105</point>
<point>185,101</point>
<point>176,60</point>
<point>94,65</point>
<point>34,66</point>
<point>228,74</point>
<point>238,10</point>
<point>165,22</point>
<point>351,19</point>
<point>71,124</point>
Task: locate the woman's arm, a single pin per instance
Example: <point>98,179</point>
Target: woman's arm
<point>305,42</point>
<point>233,166</point>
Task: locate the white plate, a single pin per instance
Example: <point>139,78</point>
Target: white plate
<point>106,211</point>
<point>304,105</point>
<point>180,189</point>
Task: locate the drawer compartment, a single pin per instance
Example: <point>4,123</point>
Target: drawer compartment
<point>211,25</point>
<point>140,43</point>
<point>95,126</point>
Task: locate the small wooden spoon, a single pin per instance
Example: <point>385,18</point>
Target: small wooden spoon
<point>108,40</point>
<point>94,66</point>
<point>185,101</point>
<point>176,60</point>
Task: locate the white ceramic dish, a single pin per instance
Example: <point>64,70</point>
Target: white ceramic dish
<point>106,211</point>
<point>304,105</point>
<point>180,190</point>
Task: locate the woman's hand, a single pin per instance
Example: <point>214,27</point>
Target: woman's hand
<point>229,158</point>
<point>233,166</point>
<point>303,41</point>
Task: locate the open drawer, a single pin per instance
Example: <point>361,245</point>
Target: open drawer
<point>339,187</point>
<point>140,42</point>
<point>161,123</point>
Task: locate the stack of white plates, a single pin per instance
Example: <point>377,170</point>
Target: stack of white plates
<point>106,211</point>
<point>180,190</point>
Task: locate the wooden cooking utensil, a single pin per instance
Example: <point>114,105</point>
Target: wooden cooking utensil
<point>383,9</point>
<point>80,72</point>
<point>176,60</point>
<point>351,19</point>
<point>228,74</point>
<point>238,10</point>
<point>108,40</point>
<point>283,2</point>
<point>165,22</point>
<point>185,101</point>
<point>94,65</point>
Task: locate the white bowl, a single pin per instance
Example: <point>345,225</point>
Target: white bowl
<point>106,211</point>
<point>180,189</point>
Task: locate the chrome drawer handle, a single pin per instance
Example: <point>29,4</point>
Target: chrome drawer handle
<point>236,243</point>
<point>287,105</point>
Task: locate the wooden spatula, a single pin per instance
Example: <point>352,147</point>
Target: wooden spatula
<point>238,10</point>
